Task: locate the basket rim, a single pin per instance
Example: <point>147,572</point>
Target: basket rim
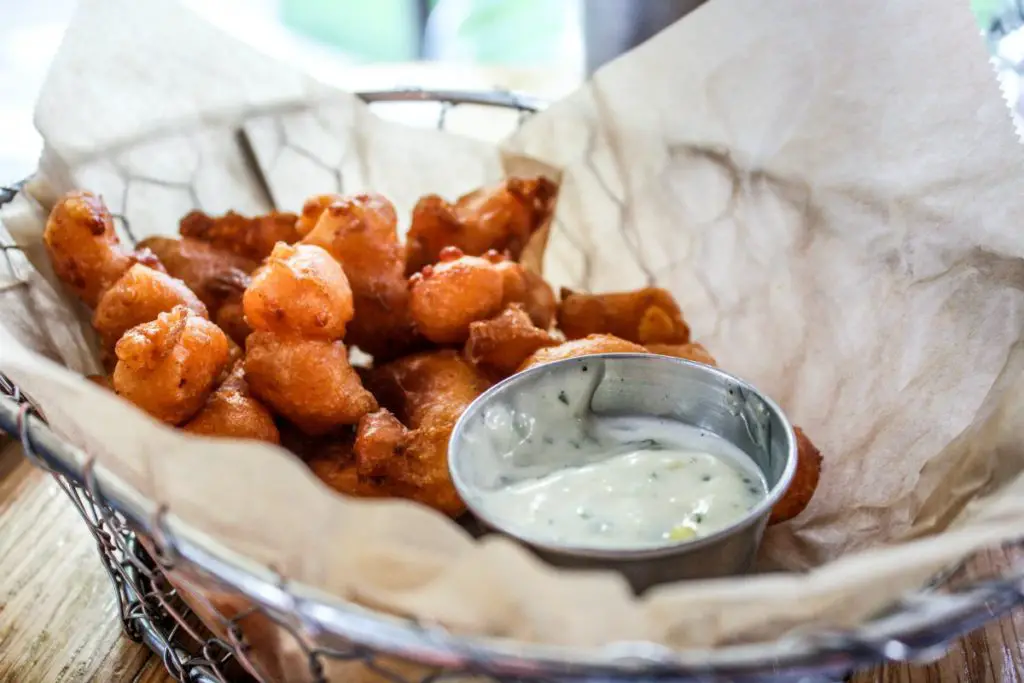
<point>918,627</point>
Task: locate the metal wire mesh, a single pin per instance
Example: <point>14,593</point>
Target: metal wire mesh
<point>216,634</point>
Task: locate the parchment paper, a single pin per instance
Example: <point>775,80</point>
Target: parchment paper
<point>831,189</point>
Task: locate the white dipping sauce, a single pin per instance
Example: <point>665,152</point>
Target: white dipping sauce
<point>679,484</point>
<point>556,462</point>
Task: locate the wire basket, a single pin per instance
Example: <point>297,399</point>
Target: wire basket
<point>141,545</point>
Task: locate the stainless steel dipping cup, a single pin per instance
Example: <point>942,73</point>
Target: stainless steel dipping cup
<point>630,385</point>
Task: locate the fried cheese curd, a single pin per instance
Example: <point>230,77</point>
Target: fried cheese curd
<point>691,351</point>
<point>251,237</point>
<point>500,345</point>
<point>500,217</point>
<point>308,381</point>
<point>361,233</point>
<point>521,285</point>
<point>402,449</point>
<point>231,411</point>
<point>138,297</point>
<point>217,276</point>
<point>235,354</point>
<point>588,346</point>
<point>645,316</point>
<point>312,209</point>
<point>170,365</point>
<point>804,484</point>
<point>84,249</point>
<point>333,461</point>
<point>299,303</point>
<point>299,290</point>
<point>201,266</point>
<point>104,381</point>
<point>446,297</point>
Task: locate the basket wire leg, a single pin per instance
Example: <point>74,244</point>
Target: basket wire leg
<point>93,522</point>
<point>140,588</point>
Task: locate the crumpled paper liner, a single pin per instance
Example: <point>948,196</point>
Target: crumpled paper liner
<point>831,191</point>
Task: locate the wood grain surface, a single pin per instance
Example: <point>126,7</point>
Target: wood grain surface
<point>58,617</point>
<point>58,620</point>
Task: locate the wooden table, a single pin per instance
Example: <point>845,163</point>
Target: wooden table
<point>58,618</point>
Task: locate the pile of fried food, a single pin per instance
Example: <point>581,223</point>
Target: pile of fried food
<point>242,327</point>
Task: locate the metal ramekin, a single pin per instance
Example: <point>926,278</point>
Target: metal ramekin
<point>643,385</point>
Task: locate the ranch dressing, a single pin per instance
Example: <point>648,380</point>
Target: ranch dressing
<point>552,469</point>
<point>661,491</point>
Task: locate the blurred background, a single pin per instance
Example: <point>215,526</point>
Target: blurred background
<point>550,44</point>
<point>541,45</point>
